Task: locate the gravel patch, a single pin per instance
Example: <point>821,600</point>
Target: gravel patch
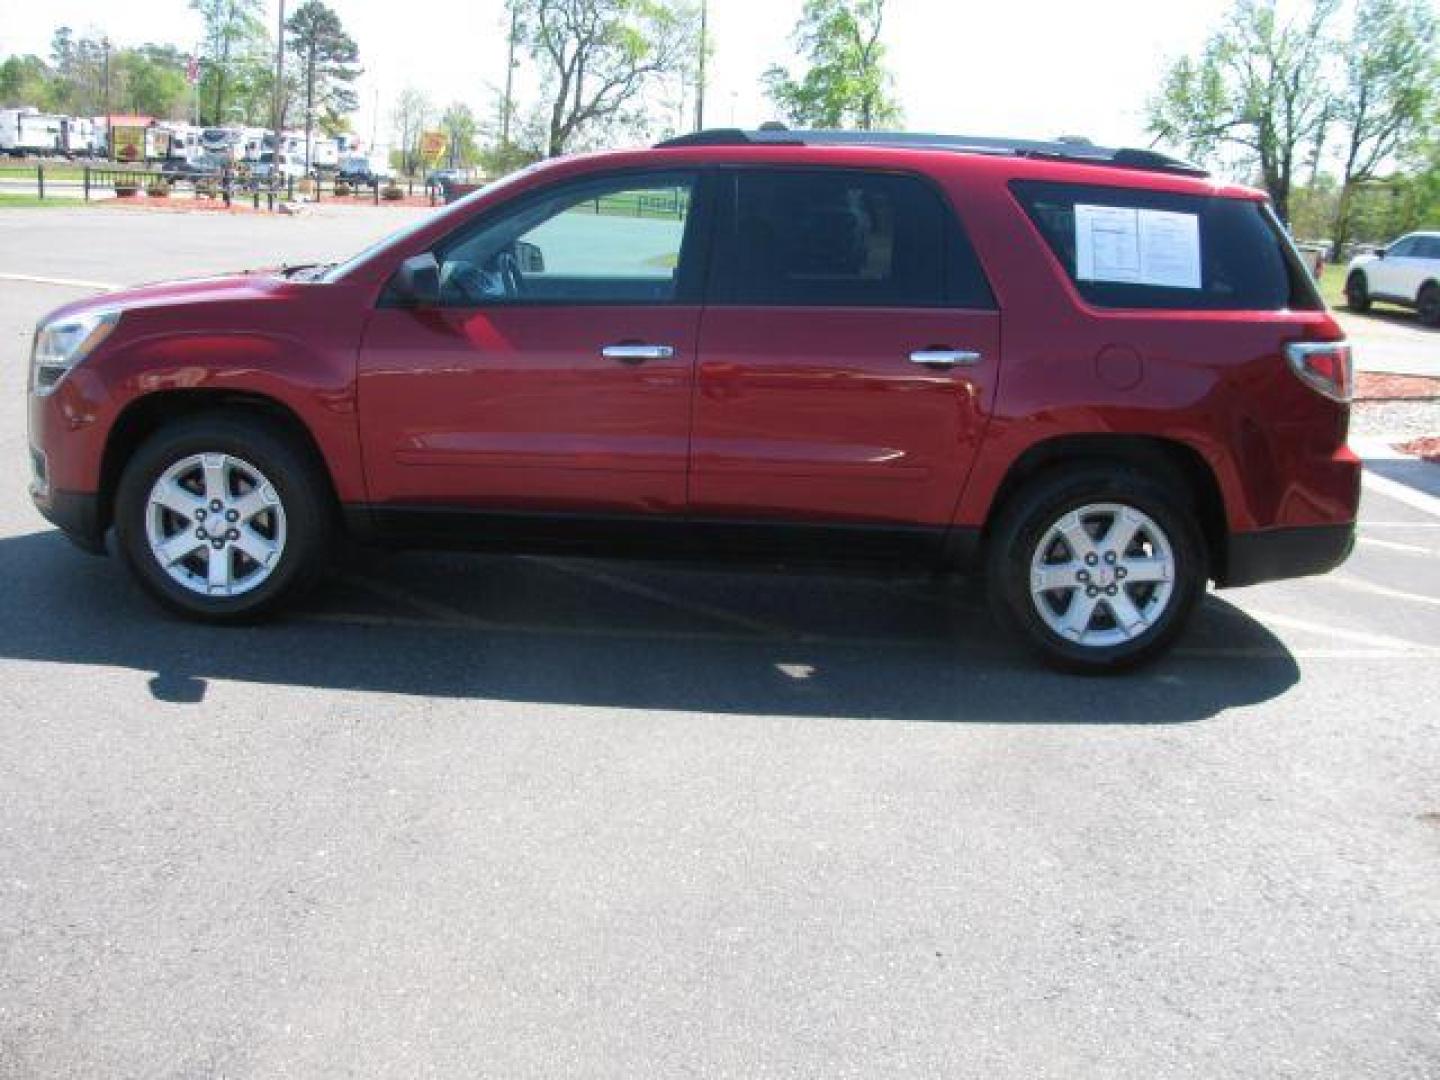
<point>1410,419</point>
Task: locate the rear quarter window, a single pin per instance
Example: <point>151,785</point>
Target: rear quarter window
<point>1212,254</point>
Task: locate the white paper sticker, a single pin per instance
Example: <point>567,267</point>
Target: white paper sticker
<point>1137,247</point>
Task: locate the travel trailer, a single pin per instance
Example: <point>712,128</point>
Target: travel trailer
<point>29,131</point>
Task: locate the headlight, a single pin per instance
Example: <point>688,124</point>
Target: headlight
<point>63,343</point>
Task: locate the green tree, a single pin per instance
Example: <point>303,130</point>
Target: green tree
<point>1259,85</point>
<point>846,83</point>
<point>26,80</point>
<point>235,54</point>
<point>328,64</point>
<point>150,81</point>
<point>599,57</point>
<point>412,111</point>
<point>78,65</point>
<point>1389,94</point>
<point>461,130</point>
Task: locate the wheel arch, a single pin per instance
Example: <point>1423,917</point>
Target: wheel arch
<point>1167,460</point>
<point>146,415</point>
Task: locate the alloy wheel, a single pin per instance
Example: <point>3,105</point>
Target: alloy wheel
<point>1102,575</point>
<point>215,524</point>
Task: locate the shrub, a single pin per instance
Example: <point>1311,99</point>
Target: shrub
<point>392,192</point>
<point>158,189</point>
<point>342,188</point>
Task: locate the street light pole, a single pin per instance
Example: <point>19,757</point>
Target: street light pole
<point>109,141</point>
<point>700,81</point>
<point>279,92</point>
<point>508,106</point>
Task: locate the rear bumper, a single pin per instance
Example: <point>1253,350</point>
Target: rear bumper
<point>1273,554</point>
<point>76,514</point>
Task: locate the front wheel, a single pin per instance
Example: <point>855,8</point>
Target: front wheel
<point>1357,292</point>
<point>222,517</point>
<point>1096,568</point>
<point>1427,305</point>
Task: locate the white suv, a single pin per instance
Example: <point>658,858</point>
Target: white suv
<point>1407,272</point>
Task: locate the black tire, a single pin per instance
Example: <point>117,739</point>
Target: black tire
<point>1427,305</point>
<point>291,468</point>
<point>1357,292</point>
<point>1023,524</point>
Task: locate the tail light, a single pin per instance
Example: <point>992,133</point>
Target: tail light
<point>1325,366</point>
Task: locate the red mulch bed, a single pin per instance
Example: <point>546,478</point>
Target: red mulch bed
<point>243,204</point>
<point>1427,448</point>
<point>1372,386</point>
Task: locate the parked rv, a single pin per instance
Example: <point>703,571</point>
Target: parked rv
<point>29,131</point>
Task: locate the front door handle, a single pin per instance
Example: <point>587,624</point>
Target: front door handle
<point>945,357</point>
<point>634,352</point>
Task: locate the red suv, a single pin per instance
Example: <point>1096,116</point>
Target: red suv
<point>1099,375</point>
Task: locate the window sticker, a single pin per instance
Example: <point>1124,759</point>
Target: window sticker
<point>1137,247</point>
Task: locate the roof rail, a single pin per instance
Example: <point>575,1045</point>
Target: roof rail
<point>1066,149</point>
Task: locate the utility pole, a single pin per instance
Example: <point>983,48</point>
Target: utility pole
<point>309,101</point>
<point>109,142</point>
<point>279,97</point>
<point>509,104</point>
<point>375,123</point>
<point>700,81</point>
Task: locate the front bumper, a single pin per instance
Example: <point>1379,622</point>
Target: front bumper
<point>1291,552</point>
<point>75,513</point>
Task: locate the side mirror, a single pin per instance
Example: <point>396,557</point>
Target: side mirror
<point>1380,253</point>
<point>530,257</point>
<point>417,282</point>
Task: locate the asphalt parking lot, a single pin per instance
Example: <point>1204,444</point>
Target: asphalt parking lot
<point>471,816</point>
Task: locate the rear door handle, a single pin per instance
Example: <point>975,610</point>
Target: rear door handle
<point>945,357</point>
<point>634,352</point>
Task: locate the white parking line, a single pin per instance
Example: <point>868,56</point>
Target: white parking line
<point>1393,489</point>
<point>1374,642</point>
<point>1395,545</point>
<point>660,596</point>
<point>1381,590</point>
<point>69,283</point>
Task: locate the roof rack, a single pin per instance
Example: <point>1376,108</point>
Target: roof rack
<point>1066,149</point>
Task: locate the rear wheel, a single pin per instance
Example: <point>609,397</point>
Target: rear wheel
<point>1357,292</point>
<point>223,517</point>
<point>1427,305</point>
<point>1096,568</point>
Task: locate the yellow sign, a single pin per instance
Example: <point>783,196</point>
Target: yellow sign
<point>432,147</point>
<point>127,143</point>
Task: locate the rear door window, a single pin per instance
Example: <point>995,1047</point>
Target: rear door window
<point>1130,248</point>
<point>844,238</point>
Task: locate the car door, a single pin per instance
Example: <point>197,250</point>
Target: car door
<point>1390,274</point>
<point>1426,263</point>
<point>848,354</point>
<point>556,372</point>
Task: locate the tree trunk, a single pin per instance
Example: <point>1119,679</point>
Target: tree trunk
<point>1340,234</point>
<point>219,118</point>
<point>309,103</point>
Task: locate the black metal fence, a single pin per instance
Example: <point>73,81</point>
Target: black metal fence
<point>230,186</point>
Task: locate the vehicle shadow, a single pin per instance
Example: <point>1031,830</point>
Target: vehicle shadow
<point>1393,316</point>
<point>1414,473</point>
<point>593,634</point>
